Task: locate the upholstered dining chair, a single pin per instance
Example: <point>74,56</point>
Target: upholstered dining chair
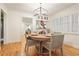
<point>56,42</point>
<point>29,42</point>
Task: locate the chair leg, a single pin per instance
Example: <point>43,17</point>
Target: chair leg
<point>55,52</point>
<point>61,51</point>
<point>50,53</point>
<point>26,49</point>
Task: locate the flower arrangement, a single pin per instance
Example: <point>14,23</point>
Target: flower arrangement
<point>42,24</point>
<point>43,27</point>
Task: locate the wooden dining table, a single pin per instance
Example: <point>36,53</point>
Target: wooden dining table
<point>41,38</point>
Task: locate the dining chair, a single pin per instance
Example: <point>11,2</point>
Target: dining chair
<point>53,32</point>
<point>56,42</point>
<point>29,42</point>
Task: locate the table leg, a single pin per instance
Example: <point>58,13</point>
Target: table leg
<point>40,46</point>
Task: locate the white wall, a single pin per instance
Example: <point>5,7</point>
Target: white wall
<point>15,26</point>
<point>70,39</point>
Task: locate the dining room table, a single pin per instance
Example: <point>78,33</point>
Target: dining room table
<point>41,38</point>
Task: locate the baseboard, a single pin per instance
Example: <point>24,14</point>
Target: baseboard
<point>73,46</point>
<point>12,42</point>
<point>7,42</point>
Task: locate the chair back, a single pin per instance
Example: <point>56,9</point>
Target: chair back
<point>58,33</point>
<point>57,41</point>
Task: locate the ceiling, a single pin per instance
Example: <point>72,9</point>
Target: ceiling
<point>29,7</point>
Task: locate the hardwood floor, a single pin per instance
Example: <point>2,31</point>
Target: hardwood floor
<point>16,49</point>
<point>11,49</point>
<point>70,51</point>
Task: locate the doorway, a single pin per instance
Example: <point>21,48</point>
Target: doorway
<point>2,26</point>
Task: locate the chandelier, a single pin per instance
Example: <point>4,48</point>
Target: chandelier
<point>41,13</point>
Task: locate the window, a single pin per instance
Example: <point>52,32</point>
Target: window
<point>67,24</point>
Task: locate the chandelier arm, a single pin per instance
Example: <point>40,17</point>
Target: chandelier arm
<point>44,9</point>
<point>35,9</point>
<point>40,11</point>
